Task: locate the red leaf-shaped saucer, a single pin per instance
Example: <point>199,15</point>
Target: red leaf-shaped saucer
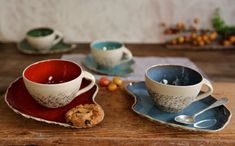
<point>21,102</point>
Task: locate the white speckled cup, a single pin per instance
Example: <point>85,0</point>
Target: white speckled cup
<point>109,53</point>
<point>43,38</point>
<point>175,87</point>
<point>55,83</point>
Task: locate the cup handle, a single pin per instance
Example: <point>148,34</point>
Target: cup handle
<point>207,93</point>
<point>129,55</point>
<point>89,76</point>
<point>58,37</point>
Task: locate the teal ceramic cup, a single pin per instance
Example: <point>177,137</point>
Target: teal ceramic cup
<point>110,53</point>
<point>174,87</point>
<point>43,38</point>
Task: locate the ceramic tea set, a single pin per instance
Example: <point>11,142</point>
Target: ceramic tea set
<point>170,94</point>
<point>44,40</point>
<point>109,58</point>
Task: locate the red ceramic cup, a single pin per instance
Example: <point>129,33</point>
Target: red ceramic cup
<point>55,83</point>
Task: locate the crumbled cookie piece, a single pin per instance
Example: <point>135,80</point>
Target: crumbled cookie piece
<point>85,116</point>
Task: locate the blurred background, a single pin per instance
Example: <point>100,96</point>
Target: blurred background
<point>132,21</point>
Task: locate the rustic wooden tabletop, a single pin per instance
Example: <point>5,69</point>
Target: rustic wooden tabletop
<point>121,126</point>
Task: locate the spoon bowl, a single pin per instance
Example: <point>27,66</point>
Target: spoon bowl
<point>185,119</point>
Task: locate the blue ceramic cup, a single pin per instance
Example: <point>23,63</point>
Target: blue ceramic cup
<point>174,87</point>
<point>110,53</point>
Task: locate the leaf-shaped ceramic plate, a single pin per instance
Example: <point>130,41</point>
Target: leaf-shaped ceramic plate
<point>21,102</point>
<point>144,106</point>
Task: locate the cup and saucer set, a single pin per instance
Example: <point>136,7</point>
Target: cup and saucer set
<point>109,58</point>
<point>171,95</point>
<point>44,40</point>
<point>56,91</point>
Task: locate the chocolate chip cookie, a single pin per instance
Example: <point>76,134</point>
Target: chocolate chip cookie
<point>84,116</point>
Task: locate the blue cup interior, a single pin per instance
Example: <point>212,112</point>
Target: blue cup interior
<point>107,44</point>
<point>174,75</point>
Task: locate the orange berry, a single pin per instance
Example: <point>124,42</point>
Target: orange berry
<point>213,36</point>
<point>173,42</point>
<point>205,38</point>
<point>104,81</point>
<point>180,39</point>
<point>117,81</point>
<point>201,43</point>
<point>112,87</point>
<point>232,39</point>
<point>226,43</point>
<point>193,35</point>
<point>199,38</point>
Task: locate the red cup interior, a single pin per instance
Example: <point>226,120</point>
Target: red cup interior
<point>52,72</point>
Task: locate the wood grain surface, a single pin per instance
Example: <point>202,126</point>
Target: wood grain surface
<point>121,126</point>
<point>219,66</point>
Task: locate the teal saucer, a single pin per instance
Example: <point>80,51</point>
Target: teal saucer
<point>123,70</point>
<point>61,47</point>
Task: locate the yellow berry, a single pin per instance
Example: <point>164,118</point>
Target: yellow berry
<point>112,87</point>
<point>117,81</point>
<point>180,39</point>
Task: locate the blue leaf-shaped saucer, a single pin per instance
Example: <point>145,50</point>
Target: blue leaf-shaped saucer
<point>144,106</point>
<point>123,70</point>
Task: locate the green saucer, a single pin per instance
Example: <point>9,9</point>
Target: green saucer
<point>61,47</point>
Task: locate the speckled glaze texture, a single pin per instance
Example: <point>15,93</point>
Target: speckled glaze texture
<point>169,103</point>
<point>174,98</point>
<point>59,100</point>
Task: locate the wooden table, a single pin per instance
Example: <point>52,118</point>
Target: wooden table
<point>121,125</point>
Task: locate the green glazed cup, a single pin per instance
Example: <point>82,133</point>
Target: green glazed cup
<point>43,38</point>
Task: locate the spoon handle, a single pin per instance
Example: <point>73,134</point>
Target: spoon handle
<point>219,102</point>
